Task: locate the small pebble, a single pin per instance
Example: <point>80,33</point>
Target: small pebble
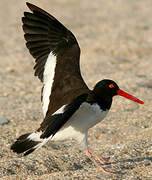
<point>147,164</point>
<point>3,121</point>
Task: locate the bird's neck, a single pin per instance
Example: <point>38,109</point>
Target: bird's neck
<point>102,100</point>
<point>104,103</point>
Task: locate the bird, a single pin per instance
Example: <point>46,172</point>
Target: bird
<point>69,107</point>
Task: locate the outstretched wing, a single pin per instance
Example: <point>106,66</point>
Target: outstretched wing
<point>57,55</point>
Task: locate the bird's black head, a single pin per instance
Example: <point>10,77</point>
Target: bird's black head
<point>104,91</point>
<point>106,88</point>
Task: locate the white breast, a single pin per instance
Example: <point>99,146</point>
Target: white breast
<point>87,116</point>
<point>77,126</point>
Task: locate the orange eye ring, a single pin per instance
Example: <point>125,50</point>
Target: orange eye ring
<point>111,86</point>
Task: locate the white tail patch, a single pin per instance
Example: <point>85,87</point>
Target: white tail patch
<point>48,77</point>
<point>35,136</point>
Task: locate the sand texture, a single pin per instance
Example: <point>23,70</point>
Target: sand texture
<point>115,37</point>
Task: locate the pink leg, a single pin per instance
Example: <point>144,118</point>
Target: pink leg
<point>99,158</point>
<point>91,155</point>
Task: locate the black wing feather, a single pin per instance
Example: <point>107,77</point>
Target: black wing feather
<point>44,31</point>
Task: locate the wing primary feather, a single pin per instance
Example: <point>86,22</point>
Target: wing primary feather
<point>36,18</point>
<point>35,37</point>
<point>39,44</point>
<point>34,30</point>
<point>34,23</point>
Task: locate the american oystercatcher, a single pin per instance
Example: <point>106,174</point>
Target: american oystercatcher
<point>70,108</point>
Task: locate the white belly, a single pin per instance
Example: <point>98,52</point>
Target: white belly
<point>77,126</point>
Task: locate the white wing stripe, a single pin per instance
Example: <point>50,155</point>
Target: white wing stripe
<point>48,77</point>
<point>61,110</point>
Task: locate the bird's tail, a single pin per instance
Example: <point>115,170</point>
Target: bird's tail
<point>27,143</point>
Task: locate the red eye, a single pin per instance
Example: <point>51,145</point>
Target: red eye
<point>111,86</point>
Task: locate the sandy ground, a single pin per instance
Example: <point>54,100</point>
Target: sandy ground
<point>116,42</point>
